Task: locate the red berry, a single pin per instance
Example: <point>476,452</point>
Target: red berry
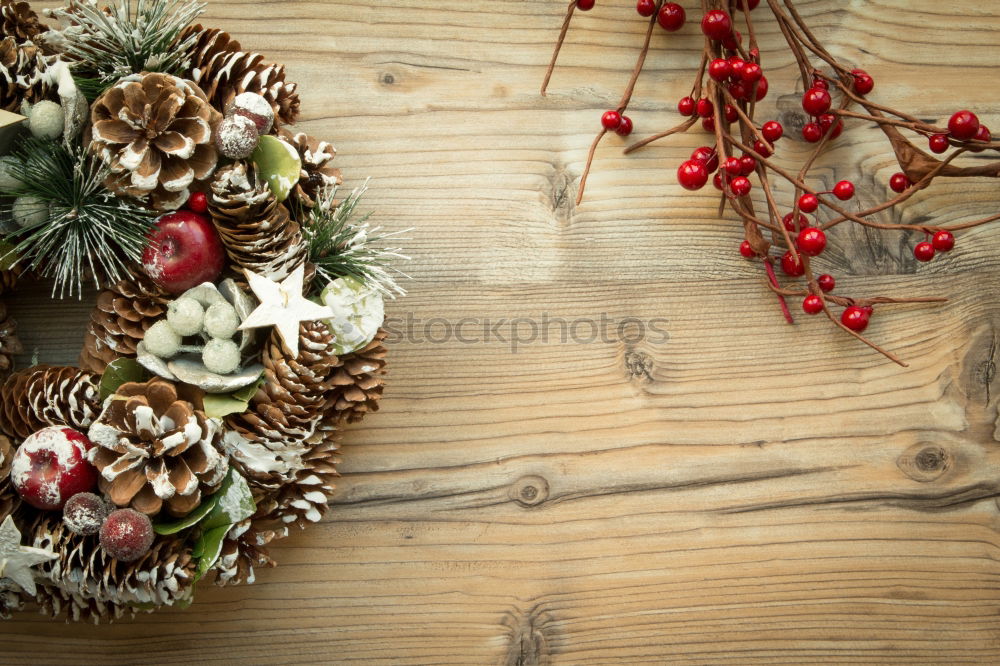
<point>791,266</point>
<point>585,5</point>
<point>816,101</point>
<point>855,318</point>
<point>772,130</point>
<point>611,120</point>
<point>126,534</point>
<point>84,513</point>
<point>843,190</point>
<point>705,108</point>
<point>747,5</point>
<point>812,132</point>
<point>812,304</point>
<point>863,82</point>
<point>747,165</point>
<point>708,124</point>
<point>943,241</point>
<point>197,202</point>
<point>761,148</point>
<point>731,42</point>
<point>982,134</point>
<point>938,143</point>
<point>717,180</point>
<point>808,203</point>
<point>923,251</point>
<point>811,241</point>
<point>746,250</point>
<point>716,24</point>
<point>646,7</point>
<point>761,89</point>
<point>740,186</point>
<point>898,182</point>
<point>790,226</point>
<point>731,115</point>
<point>751,72</point>
<point>685,106</point>
<point>736,65</point>
<point>963,125</point>
<point>826,282</point>
<point>819,82</point>
<point>732,166</point>
<point>624,127</point>
<point>720,69</point>
<point>706,156</point>
<point>692,175</point>
<point>739,90</point>
<point>671,17</point>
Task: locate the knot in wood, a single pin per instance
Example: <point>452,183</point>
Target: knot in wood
<point>387,79</point>
<point>925,462</point>
<point>530,490</point>
<point>639,365</point>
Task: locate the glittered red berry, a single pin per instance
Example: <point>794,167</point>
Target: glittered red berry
<point>671,17</point>
<point>692,175</point>
<point>826,282</point>
<point>943,240</point>
<point>923,251</point>
<point>843,190</point>
<point>716,24</point>
<point>792,266</point>
<point>705,108</point>
<point>708,124</point>
<point>585,5</point>
<point>772,130</point>
<point>855,318</point>
<point>686,106</point>
<point>624,127</point>
<point>761,89</point>
<point>790,225</point>
<point>746,250</point>
<point>808,203</point>
<point>761,148</point>
<point>816,101</point>
<point>812,132</point>
<point>898,182</point>
<point>732,166</point>
<point>751,73</point>
<point>747,165</point>
<point>707,156</point>
<point>740,186</point>
<point>812,304</point>
<point>863,82</point>
<point>611,120</point>
<point>646,7</point>
<point>811,241</point>
<point>197,202</point>
<point>963,125</point>
<point>126,535</point>
<point>720,69</point>
<point>938,143</point>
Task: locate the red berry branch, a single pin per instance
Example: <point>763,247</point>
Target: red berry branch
<point>729,83</point>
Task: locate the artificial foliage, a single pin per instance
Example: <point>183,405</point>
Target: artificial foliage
<point>237,325</point>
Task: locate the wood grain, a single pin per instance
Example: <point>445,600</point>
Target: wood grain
<point>743,492</point>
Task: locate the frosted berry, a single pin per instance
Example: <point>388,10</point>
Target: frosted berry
<point>938,143</point>
<point>746,250</point>
<point>732,166</point>
<point>127,535</point>
<point>963,125</point>
<point>826,282</point>
<point>705,108</point>
<point>84,513</point>
<point>716,24</point>
<point>855,318</point>
<point>671,17</point>
<point>611,120</point>
<point>843,190</point>
<point>740,186</point>
<point>792,266</point>
<point>646,7</point>
<point>808,203</point>
<point>772,130</point>
<point>863,82</point>
<point>812,132</point>
<point>812,304</point>
<point>692,175</point>
<point>255,107</point>
<point>811,241</point>
<point>236,137</point>
<point>720,69</point>
<point>816,101</point>
<point>898,182</point>
<point>624,127</point>
<point>943,240</point>
<point>197,202</point>
<point>923,251</point>
<point>685,106</point>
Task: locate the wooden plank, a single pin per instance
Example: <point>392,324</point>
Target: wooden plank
<point>741,491</point>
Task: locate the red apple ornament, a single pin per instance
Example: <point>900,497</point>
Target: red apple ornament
<point>51,466</point>
<point>184,251</point>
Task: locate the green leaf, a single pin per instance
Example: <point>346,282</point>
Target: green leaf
<point>278,163</point>
<point>189,520</point>
<point>121,371</point>
<point>218,405</point>
<point>210,547</point>
<point>235,503</point>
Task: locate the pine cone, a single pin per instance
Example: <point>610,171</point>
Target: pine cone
<point>156,449</point>
<point>242,550</point>
<point>257,231</point>
<point>8,279</point>
<point>22,77</point>
<point>45,395</point>
<point>10,344</point>
<point>119,321</point>
<point>155,132</point>
<point>304,499</point>
<point>88,583</point>
<point>317,173</point>
<point>19,21</point>
<point>224,71</point>
<point>10,500</point>
<point>359,381</point>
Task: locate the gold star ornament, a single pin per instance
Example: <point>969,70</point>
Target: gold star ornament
<point>16,560</point>
<point>283,306</point>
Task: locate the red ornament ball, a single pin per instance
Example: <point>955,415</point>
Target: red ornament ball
<point>705,108</point>
<point>923,251</point>
<point>812,304</point>
<point>751,73</point>
<point>707,156</point>
<point>732,166</point>
<point>790,225</point>
<point>943,240</point>
<point>127,535</point>
<point>761,89</point>
<point>747,165</point>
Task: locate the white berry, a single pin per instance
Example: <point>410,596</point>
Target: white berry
<point>221,321</point>
<point>161,340</point>
<point>8,181</point>
<point>186,316</point>
<point>221,356</point>
<point>45,120</point>
<point>29,211</point>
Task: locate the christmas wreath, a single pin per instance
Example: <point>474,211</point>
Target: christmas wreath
<point>237,325</point>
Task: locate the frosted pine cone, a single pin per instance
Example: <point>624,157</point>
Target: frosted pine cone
<point>119,321</point>
<point>44,395</point>
<point>156,449</point>
<point>317,173</point>
<point>155,132</point>
<point>22,69</point>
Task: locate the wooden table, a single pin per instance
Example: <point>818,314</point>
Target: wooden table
<point>742,491</point>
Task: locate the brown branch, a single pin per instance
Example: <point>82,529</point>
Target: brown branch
<point>559,43</point>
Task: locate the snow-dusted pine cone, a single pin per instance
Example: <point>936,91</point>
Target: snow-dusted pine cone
<point>317,173</point>
<point>44,395</point>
